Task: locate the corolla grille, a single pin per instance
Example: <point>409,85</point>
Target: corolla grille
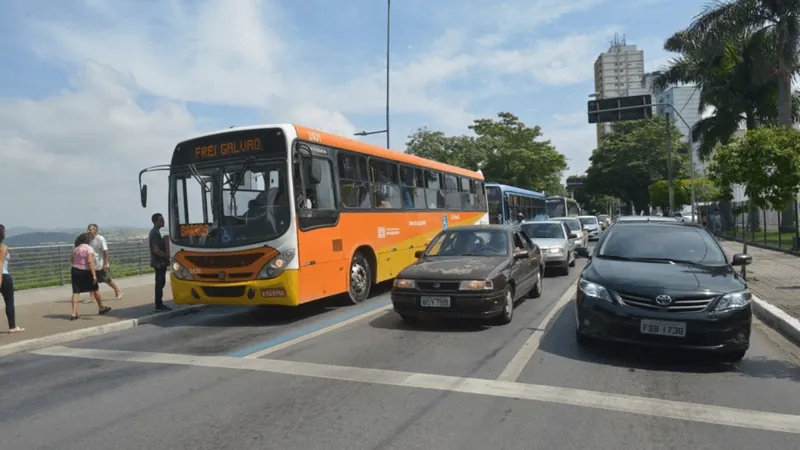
<point>679,304</point>
<point>438,286</point>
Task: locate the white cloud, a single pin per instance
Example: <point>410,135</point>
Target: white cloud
<point>572,136</point>
<point>76,154</point>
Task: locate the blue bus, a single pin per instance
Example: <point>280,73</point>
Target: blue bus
<point>505,202</point>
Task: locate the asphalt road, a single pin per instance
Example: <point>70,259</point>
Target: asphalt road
<point>328,377</point>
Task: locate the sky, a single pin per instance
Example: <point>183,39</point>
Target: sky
<point>92,91</point>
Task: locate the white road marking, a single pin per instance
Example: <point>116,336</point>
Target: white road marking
<point>318,333</point>
<point>718,415</point>
<point>524,355</point>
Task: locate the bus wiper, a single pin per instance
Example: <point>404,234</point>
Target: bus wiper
<point>197,177</point>
<point>239,175</point>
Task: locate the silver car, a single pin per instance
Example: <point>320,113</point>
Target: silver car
<point>556,242</point>
<point>593,225</point>
<point>574,226</point>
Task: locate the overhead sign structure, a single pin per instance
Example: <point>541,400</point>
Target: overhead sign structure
<point>620,109</point>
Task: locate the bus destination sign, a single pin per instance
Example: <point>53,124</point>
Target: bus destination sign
<point>228,148</point>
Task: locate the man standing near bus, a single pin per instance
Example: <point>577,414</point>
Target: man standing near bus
<point>159,259</point>
<point>101,261</point>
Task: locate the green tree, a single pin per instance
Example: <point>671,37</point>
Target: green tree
<point>505,149</point>
<point>659,194</point>
<point>632,158</point>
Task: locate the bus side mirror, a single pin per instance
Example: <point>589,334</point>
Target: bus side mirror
<point>143,195</point>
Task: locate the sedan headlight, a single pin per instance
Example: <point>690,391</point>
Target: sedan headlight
<point>555,250</point>
<point>734,300</point>
<point>180,272</point>
<point>278,264</point>
<point>400,283</point>
<point>476,285</point>
<point>590,289</point>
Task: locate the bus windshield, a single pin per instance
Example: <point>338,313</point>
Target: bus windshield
<point>495,197</point>
<point>238,203</point>
<point>556,207</point>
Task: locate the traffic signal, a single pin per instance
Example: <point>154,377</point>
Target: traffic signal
<point>619,109</point>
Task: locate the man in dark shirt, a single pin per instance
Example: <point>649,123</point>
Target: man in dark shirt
<point>159,259</point>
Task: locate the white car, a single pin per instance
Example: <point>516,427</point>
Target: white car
<point>591,224</point>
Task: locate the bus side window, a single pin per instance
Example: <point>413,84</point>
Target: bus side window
<point>452,199</point>
<point>413,189</point>
<point>466,193</point>
<point>433,197</point>
<point>323,193</point>
<point>480,196</point>
<point>385,189</point>
<point>353,180</point>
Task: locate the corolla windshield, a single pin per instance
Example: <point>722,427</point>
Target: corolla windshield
<point>457,242</point>
<point>544,230</point>
<point>668,244</point>
<point>588,220</point>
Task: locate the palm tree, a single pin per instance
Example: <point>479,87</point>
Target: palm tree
<point>774,21</point>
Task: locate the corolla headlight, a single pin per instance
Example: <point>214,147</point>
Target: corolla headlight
<point>277,265</point>
<point>402,283</point>
<point>590,289</point>
<point>476,285</point>
<point>180,272</point>
<point>733,300</point>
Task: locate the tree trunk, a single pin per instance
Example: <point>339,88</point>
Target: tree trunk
<point>784,96</point>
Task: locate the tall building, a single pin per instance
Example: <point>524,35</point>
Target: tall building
<point>685,100</point>
<point>617,72</point>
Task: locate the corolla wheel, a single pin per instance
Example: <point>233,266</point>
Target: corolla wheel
<point>508,307</point>
<point>360,279</point>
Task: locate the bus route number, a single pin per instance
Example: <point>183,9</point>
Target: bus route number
<point>313,136</point>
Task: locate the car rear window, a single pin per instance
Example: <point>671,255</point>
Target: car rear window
<point>650,241</point>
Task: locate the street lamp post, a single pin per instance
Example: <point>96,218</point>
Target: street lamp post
<point>388,54</point>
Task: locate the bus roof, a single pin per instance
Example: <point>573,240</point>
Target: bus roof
<point>516,190</point>
<point>556,197</point>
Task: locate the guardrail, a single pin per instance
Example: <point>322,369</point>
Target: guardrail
<point>48,265</point>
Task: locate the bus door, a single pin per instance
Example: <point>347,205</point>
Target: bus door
<point>320,250</point>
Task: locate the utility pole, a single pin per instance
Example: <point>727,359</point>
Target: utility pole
<point>388,53</point>
<point>669,167</point>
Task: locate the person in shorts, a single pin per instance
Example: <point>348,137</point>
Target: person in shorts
<point>100,247</point>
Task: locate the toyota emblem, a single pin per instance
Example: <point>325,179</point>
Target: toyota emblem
<point>664,300</point>
<point>221,275</point>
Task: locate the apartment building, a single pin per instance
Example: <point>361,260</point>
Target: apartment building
<point>619,72</point>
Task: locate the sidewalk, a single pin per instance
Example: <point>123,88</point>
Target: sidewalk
<point>45,312</point>
<point>773,276</point>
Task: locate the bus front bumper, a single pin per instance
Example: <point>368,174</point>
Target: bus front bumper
<point>277,291</point>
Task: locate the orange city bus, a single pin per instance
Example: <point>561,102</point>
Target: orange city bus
<point>284,215</point>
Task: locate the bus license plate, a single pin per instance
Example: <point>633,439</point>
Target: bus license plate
<point>663,328</point>
<point>434,302</point>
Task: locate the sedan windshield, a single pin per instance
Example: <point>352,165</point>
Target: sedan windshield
<point>661,243</point>
<point>544,230</point>
<point>457,242</point>
<point>574,225</point>
<point>588,220</point>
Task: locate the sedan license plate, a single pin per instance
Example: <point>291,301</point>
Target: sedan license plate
<point>434,302</point>
<point>663,328</point>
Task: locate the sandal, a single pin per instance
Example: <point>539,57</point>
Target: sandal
<point>104,310</point>
<point>16,330</point>
<point>73,318</point>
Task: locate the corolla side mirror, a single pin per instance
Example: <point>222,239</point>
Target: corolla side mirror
<point>583,252</point>
<point>741,259</point>
<point>573,236</point>
<point>522,254</point>
<point>418,254</point>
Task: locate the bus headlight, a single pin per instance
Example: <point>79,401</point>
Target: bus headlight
<point>180,272</point>
<point>277,265</point>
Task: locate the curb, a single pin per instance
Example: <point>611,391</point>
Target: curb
<point>777,319</point>
<point>83,333</point>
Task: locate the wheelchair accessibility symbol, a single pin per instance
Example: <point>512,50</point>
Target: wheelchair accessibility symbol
<point>444,222</point>
<point>227,236</point>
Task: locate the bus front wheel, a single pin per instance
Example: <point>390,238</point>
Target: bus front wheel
<point>360,279</point>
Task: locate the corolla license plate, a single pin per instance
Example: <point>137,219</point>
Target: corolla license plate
<point>663,328</point>
<point>434,301</point>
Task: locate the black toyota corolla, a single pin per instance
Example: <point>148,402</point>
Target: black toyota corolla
<point>664,284</point>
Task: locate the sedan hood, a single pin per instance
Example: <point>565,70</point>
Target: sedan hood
<point>547,243</point>
<point>655,278</point>
<point>453,268</point>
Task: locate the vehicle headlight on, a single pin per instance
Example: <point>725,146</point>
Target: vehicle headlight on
<point>555,250</point>
<point>278,264</point>
<point>733,300</point>
<point>590,289</point>
<point>476,285</point>
<point>180,272</point>
<point>401,283</point>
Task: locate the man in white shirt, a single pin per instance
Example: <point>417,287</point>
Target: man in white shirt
<point>100,247</point>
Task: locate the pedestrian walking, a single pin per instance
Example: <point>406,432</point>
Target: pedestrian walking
<point>7,285</point>
<point>100,247</point>
<point>159,259</point>
<point>84,276</point>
